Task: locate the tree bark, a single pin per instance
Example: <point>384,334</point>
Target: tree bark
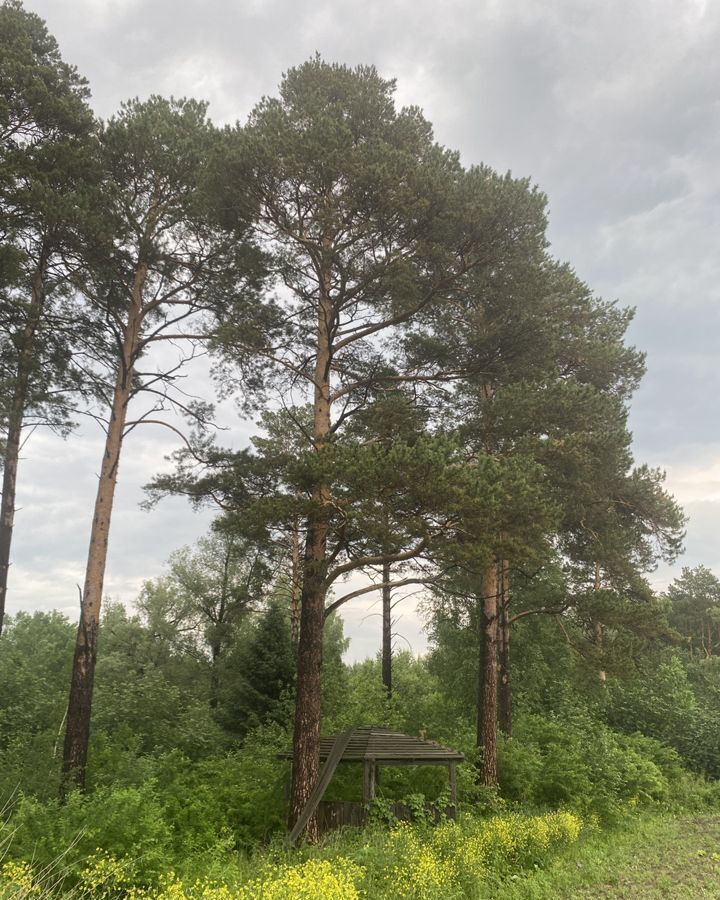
<point>306,737</point>
<point>488,680</point>
<point>14,433</point>
<point>7,507</point>
<point>306,734</point>
<point>505,685</point>
<point>295,582</point>
<point>77,733</point>
<point>387,631</point>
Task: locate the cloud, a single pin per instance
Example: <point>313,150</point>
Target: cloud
<point>612,108</point>
<point>697,484</point>
<point>56,493</point>
<point>362,620</point>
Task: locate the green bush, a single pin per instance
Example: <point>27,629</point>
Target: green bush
<point>128,821</point>
<point>238,798</point>
<point>676,703</point>
<point>582,764</point>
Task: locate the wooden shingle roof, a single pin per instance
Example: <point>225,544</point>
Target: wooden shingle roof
<point>382,744</point>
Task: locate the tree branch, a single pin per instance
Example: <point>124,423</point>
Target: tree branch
<point>378,559</point>
<point>373,587</point>
<point>550,610</point>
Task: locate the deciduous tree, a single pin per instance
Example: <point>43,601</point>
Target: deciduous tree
<point>207,592</point>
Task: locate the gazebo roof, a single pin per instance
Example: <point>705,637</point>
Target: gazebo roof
<point>372,745</point>
<point>372,742</point>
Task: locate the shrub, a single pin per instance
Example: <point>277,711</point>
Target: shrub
<point>581,763</point>
<point>128,821</point>
<point>408,863</point>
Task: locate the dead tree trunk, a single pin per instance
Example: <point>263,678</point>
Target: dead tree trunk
<point>77,733</point>
<point>488,680</point>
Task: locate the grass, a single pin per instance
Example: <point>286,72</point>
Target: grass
<point>652,858</point>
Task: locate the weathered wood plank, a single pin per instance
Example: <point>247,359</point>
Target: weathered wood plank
<point>390,746</point>
<point>316,796</point>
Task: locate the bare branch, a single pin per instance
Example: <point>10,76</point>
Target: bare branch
<point>130,426</point>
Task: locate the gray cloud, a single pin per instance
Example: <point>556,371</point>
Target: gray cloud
<point>612,108</point>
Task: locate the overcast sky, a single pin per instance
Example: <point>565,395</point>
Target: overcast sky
<point>612,108</point>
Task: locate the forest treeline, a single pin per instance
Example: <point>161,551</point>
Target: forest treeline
<point>442,404</point>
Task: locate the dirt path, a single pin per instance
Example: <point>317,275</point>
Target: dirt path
<point>683,864</point>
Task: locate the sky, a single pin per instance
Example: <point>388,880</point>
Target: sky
<point>612,108</point>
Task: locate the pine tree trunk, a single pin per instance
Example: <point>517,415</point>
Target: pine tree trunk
<point>295,582</point>
<point>77,733</point>
<point>308,697</point>
<point>14,433</point>
<point>387,631</point>
<point>598,641</point>
<point>505,685</point>
<point>488,680</point>
<point>306,737</point>
<point>7,506</point>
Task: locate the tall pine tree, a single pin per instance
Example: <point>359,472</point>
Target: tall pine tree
<point>45,180</point>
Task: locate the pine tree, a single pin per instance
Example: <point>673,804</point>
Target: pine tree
<point>46,176</point>
<point>261,674</point>
<point>694,611</point>
<point>546,377</point>
<point>370,223</point>
<point>160,266</point>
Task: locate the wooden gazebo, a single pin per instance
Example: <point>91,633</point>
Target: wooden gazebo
<point>372,746</point>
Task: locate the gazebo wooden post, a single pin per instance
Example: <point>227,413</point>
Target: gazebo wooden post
<point>452,774</point>
<point>369,767</point>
